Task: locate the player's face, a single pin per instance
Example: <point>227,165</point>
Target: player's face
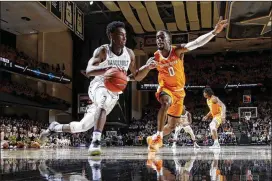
<point>119,37</point>
<point>162,40</point>
<point>206,95</point>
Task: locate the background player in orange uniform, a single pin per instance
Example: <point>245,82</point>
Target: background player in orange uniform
<point>217,112</point>
<point>169,63</point>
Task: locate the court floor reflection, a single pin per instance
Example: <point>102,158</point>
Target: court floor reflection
<point>136,164</point>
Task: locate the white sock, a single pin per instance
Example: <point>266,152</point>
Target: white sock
<point>96,136</point>
<point>159,133</point>
<point>216,141</point>
<point>58,128</point>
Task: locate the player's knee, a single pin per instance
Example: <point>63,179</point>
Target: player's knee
<point>165,102</point>
<point>85,127</point>
<point>212,126</point>
<point>165,105</point>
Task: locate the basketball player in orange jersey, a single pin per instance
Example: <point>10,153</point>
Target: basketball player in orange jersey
<point>105,57</point>
<point>169,63</point>
<point>217,112</point>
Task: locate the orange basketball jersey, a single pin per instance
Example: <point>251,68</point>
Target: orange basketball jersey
<point>214,108</point>
<point>171,70</point>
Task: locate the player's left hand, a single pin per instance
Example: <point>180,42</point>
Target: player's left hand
<point>151,63</point>
<point>220,25</point>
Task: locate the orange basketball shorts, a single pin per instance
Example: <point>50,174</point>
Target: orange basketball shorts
<point>177,98</point>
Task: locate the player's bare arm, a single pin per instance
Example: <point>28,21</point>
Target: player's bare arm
<point>93,68</point>
<point>207,116</point>
<point>202,40</point>
<point>140,74</point>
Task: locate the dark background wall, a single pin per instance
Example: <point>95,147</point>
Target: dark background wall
<point>95,36</point>
<point>7,38</point>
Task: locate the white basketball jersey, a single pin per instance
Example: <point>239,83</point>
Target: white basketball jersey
<point>122,61</point>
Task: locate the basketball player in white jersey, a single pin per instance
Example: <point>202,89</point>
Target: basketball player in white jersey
<point>115,54</point>
<point>185,121</point>
<point>183,170</point>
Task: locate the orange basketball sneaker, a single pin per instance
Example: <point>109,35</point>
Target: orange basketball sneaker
<point>154,145</point>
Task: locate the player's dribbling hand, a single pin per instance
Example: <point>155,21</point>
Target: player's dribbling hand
<point>120,68</point>
<point>151,63</point>
<point>220,25</point>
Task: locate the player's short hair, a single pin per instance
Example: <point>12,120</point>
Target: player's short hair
<point>167,32</point>
<point>208,91</point>
<point>112,27</point>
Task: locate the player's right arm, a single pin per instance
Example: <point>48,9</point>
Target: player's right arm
<point>93,68</point>
<point>207,116</point>
<point>201,40</point>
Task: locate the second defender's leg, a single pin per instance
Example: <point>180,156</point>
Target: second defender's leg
<point>213,127</point>
<point>189,130</point>
<point>177,131</point>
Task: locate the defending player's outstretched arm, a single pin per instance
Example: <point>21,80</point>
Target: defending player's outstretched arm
<point>140,74</point>
<point>202,40</point>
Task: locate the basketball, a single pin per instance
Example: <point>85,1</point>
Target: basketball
<point>35,144</point>
<point>5,145</point>
<point>20,144</point>
<point>115,80</point>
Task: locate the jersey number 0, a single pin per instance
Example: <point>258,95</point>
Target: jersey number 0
<point>171,71</point>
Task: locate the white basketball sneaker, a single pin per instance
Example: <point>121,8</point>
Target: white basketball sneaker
<point>95,148</point>
<point>196,145</point>
<point>215,146</point>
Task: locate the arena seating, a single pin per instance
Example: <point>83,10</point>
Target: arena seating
<point>26,92</point>
<point>231,68</point>
<point>21,58</point>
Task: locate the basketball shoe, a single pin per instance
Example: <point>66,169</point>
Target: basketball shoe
<point>215,145</point>
<point>95,148</point>
<point>50,131</point>
<point>154,144</point>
